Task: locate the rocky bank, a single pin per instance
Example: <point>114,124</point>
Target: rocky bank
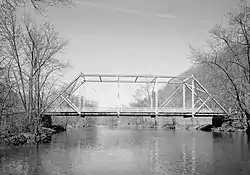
<point>231,123</point>
<point>44,134</point>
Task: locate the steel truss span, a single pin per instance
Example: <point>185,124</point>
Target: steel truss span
<point>199,105</point>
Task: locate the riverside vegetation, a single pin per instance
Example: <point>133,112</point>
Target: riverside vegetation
<point>30,73</point>
<point>223,67</point>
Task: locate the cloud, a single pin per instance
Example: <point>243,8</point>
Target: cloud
<point>164,15</point>
<point>124,10</point>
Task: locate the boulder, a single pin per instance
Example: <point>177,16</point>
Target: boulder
<point>58,128</point>
<point>169,126</point>
<point>207,128</point>
<point>248,127</point>
<point>46,121</point>
<point>232,125</point>
<point>248,131</point>
<point>217,121</point>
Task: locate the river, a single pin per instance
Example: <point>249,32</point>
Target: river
<point>105,151</point>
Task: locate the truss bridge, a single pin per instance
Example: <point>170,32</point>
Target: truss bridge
<point>188,97</point>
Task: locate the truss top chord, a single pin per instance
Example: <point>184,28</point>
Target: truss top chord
<point>132,78</point>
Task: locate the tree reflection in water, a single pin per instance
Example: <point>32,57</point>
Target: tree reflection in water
<point>28,162</point>
<point>145,151</point>
<point>154,156</point>
<point>189,157</point>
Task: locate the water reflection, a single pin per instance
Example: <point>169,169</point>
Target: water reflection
<point>233,149</point>
<point>154,156</point>
<point>189,157</point>
<point>26,162</point>
<point>217,136</point>
<point>248,139</point>
<point>117,151</point>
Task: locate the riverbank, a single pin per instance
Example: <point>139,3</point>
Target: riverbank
<point>49,126</point>
<point>215,124</point>
<point>160,122</point>
<point>54,125</point>
<point>22,135</point>
<point>232,123</point>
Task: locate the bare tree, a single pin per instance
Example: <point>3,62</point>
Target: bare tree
<point>228,57</point>
<point>31,50</point>
<point>142,96</point>
<point>39,5</point>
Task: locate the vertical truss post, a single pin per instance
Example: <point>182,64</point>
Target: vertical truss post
<point>193,92</point>
<point>184,95</point>
<point>84,100</point>
<point>156,96</point>
<point>151,98</point>
<point>79,101</point>
<point>81,94</point>
<point>118,97</point>
<point>199,99</point>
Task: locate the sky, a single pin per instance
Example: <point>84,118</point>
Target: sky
<point>133,36</point>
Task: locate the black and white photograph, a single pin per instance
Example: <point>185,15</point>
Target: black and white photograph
<point>124,87</point>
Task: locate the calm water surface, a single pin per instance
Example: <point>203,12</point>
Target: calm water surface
<point>101,150</point>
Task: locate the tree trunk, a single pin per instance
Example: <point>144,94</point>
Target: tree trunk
<point>248,128</point>
<point>247,117</point>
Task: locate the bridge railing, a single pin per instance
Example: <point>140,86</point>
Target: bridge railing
<point>116,109</point>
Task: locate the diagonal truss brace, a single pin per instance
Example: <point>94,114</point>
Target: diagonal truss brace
<point>199,99</point>
<point>71,88</point>
<point>204,103</point>
<point>72,105</point>
<point>170,98</point>
<point>70,93</point>
<point>210,96</point>
<point>63,91</point>
<point>190,86</point>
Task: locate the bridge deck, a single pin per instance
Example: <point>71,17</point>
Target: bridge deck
<point>107,111</point>
<point>136,114</point>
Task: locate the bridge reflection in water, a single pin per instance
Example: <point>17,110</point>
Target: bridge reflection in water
<point>117,151</point>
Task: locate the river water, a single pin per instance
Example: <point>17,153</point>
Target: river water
<point>100,150</point>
